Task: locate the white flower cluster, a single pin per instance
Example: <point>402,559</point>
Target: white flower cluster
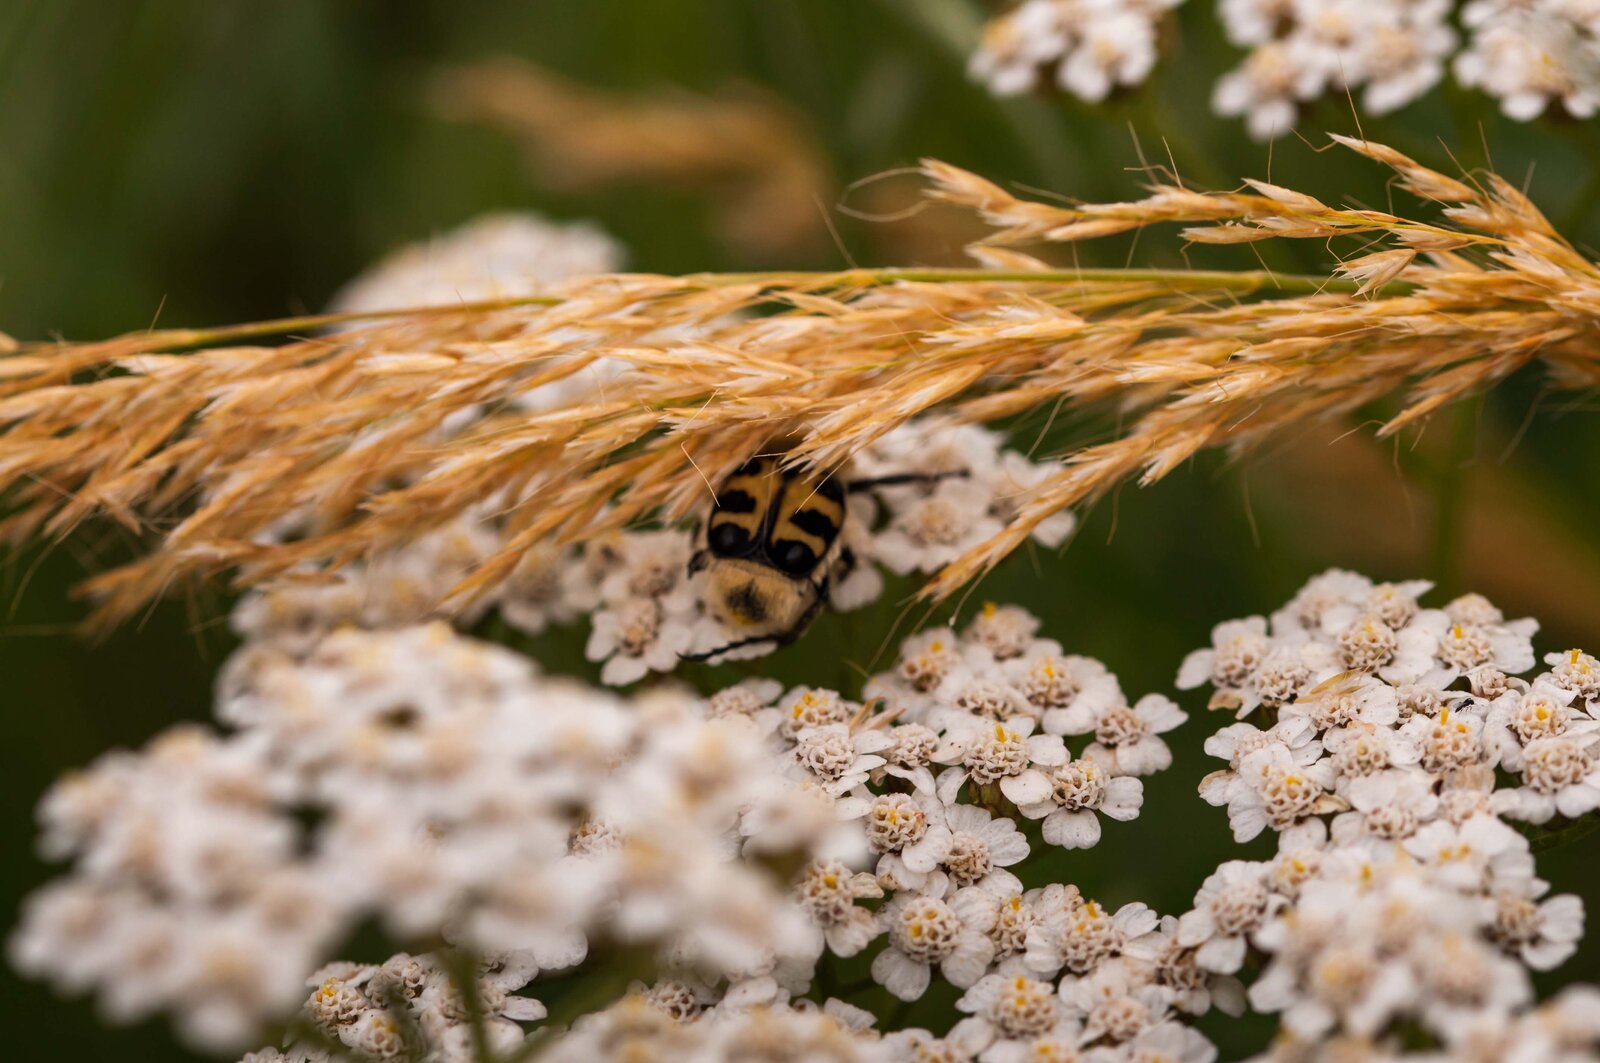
<point>1392,51</point>
<point>1399,898</point>
<point>437,786</point>
<point>408,1007</point>
<point>644,606</point>
<point>968,726</point>
<point>1529,53</point>
<point>1093,46</point>
<point>496,256</point>
<point>1525,53</point>
<point>534,831</point>
<point>1015,1019</point>
<point>665,1022</point>
<point>428,782</point>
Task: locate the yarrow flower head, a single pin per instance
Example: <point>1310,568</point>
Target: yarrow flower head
<point>1087,47</point>
<point>538,830</point>
<point>1530,55</point>
<point>451,785</point>
<point>1399,895</point>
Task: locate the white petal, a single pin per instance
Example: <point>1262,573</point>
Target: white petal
<point>949,784</point>
<point>1124,796</point>
<point>1047,749</point>
<point>1224,955</point>
<point>1196,669</point>
<point>523,1009</point>
<point>1072,830</point>
<point>1575,801</point>
<point>1547,955</point>
<point>902,976</point>
<point>1028,788</point>
<point>852,934</point>
<point>1160,712</point>
<point>925,855</point>
<point>1008,849</point>
<point>1195,927</point>
<point>1144,757</point>
<point>969,961</point>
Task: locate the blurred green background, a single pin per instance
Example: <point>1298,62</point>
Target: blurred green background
<point>199,161</point>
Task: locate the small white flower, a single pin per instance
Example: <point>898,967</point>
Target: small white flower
<point>1080,935</point>
<point>1578,672</point>
<point>1331,34</point>
<point>1402,58</point>
<point>1520,716</point>
<point>969,695</point>
<point>1170,1042</point>
<point>1559,774</point>
<point>910,752</point>
<point>1008,631</point>
<point>1015,45</point>
<point>1116,1000</point>
<point>1237,741</point>
<point>1527,62</point>
<point>532,597</point>
<point>828,891</point>
<point>937,528</point>
<point>1361,748</point>
<point>636,637</point>
<point>1191,988</point>
<point>1543,935</point>
<point>1448,742</point>
<point>1238,647</point>
<point>1116,48</point>
<point>1016,915</point>
<point>1266,89</point>
<point>1387,807</point>
<point>1328,602</point>
<point>1052,684</point>
<point>748,697</point>
<point>1276,792</point>
<point>1458,977</point>
<point>933,445</point>
<point>1342,700</point>
<point>931,664</point>
<point>805,707</point>
<point>838,759</point>
<point>990,753</point>
<point>1468,855</point>
<point>925,932</point>
<point>652,564</point>
<point>1016,477</point>
<point>981,848</point>
<point>1126,740</point>
<point>1079,790</point>
<point>910,832</point>
<point>1249,22</point>
<point>1010,1012</point>
<point>495,256</point>
<point>1232,902</point>
<point>1466,647</point>
<point>791,814</point>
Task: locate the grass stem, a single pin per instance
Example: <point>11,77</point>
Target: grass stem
<point>1239,282</point>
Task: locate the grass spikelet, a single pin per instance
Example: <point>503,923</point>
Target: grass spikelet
<point>357,430</point>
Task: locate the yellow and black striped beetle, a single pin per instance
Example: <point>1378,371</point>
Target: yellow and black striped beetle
<point>772,545</point>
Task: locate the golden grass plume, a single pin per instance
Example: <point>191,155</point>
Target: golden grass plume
<point>754,159</point>
<point>210,448</point>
